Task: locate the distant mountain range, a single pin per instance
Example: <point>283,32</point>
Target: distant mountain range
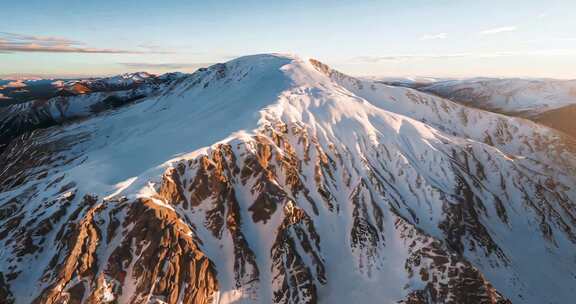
<point>276,179</point>
<point>548,101</point>
<point>23,90</point>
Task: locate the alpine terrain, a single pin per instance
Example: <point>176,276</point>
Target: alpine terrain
<point>547,101</point>
<point>276,179</point>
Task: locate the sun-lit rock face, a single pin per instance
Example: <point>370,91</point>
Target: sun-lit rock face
<point>273,179</point>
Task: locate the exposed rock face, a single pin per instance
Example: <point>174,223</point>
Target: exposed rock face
<point>5,293</point>
<point>447,276</point>
<point>330,199</point>
<point>157,258</point>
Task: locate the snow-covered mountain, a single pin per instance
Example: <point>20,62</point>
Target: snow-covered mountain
<point>507,95</point>
<point>15,91</point>
<point>107,84</point>
<point>275,179</point>
<point>77,99</point>
<point>547,101</point>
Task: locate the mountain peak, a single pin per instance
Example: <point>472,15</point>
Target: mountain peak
<point>137,75</point>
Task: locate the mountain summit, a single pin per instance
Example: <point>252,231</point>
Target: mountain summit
<point>276,179</point>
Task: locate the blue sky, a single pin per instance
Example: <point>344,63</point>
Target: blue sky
<point>447,38</point>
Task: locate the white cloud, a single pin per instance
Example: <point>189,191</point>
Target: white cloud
<point>406,57</point>
<point>434,36</point>
<point>498,30</point>
<point>543,15</point>
<point>552,39</point>
<point>445,56</point>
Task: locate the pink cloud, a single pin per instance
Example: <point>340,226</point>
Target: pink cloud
<point>11,42</point>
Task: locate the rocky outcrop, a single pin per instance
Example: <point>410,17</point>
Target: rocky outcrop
<point>147,254</point>
<point>447,277</point>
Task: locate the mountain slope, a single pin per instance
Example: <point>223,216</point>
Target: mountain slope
<point>560,119</point>
<point>527,96</point>
<point>546,101</point>
<point>272,179</point>
<point>78,99</point>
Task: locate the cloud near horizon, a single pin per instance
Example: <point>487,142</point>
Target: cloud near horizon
<point>498,30</point>
<point>376,59</point>
<point>391,58</point>
<point>434,36</point>
<point>13,43</point>
<point>164,66</point>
